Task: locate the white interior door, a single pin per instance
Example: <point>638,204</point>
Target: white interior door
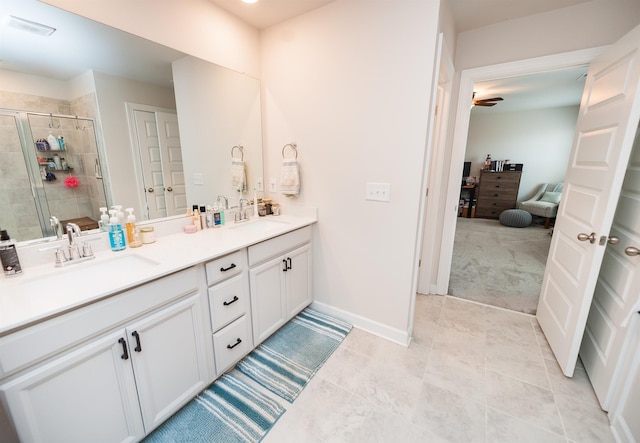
<point>606,127</point>
<point>172,169</point>
<point>616,294</point>
<point>151,162</point>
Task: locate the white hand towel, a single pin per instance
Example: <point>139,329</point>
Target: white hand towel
<point>290,177</point>
<point>238,175</point>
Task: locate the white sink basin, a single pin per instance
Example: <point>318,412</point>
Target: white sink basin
<point>258,226</point>
<point>84,273</point>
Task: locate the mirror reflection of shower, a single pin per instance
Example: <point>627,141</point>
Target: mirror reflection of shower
<point>50,166</point>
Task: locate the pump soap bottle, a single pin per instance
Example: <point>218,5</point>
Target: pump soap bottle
<point>104,220</point>
<point>116,235</point>
<point>133,238</point>
<point>9,255</point>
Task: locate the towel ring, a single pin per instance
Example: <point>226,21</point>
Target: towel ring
<point>241,149</point>
<point>292,146</point>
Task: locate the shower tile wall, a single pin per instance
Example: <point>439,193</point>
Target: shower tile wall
<point>17,210</point>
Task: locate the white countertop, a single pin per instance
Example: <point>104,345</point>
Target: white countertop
<point>45,291</point>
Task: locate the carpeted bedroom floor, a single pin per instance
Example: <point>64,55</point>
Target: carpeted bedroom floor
<point>498,265</point>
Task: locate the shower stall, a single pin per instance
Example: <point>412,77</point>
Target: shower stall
<point>38,180</point>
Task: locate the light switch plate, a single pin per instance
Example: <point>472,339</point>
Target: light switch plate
<point>378,192</point>
<point>273,185</point>
<point>198,178</point>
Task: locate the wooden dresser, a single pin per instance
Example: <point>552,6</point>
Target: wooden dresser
<point>497,191</point>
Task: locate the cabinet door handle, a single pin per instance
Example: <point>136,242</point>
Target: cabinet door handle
<point>125,353</point>
<point>227,303</point>
<point>288,262</point>
<point>285,265</point>
<point>138,348</point>
<point>231,266</point>
<point>238,341</point>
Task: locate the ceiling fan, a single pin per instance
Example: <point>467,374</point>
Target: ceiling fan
<point>485,101</point>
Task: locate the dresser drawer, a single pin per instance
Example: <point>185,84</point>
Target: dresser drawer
<point>228,301</point>
<point>232,343</point>
<point>501,177</point>
<point>227,266</point>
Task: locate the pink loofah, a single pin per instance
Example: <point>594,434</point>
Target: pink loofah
<point>71,182</point>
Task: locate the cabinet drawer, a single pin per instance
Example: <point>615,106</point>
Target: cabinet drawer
<point>38,342</point>
<point>279,245</point>
<point>501,177</point>
<point>228,300</point>
<point>232,343</point>
<point>227,266</point>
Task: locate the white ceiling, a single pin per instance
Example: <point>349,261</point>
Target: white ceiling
<point>79,43</point>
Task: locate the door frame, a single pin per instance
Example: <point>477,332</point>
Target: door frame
<point>468,78</point>
<point>142,208</point>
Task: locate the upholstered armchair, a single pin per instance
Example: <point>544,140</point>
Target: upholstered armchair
<point>544,203</point>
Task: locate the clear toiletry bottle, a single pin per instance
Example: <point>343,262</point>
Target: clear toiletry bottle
<point>116,234</point>
<point>61,143</point>
<point>209,217</point>
<point>9,255</point>
<point>203,217</point>
<point>133,238</point>
<point>104,220</point>
<point>196,218</point>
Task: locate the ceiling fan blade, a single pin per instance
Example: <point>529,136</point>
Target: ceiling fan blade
<point>484,100</point>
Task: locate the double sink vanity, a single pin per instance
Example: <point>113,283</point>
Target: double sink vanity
<point>107,350</point>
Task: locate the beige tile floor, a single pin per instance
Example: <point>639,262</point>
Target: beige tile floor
<point>472,374</point>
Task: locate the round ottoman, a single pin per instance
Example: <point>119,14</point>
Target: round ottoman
<point>515,218</point>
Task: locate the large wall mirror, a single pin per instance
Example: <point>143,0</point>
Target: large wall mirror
<point>156,130</point>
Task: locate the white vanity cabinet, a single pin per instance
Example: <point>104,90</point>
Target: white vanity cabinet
<point>279,280</point>
<point>111,371</point>
<point>230,308</point>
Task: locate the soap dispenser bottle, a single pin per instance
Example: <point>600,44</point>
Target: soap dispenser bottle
<point>9,255</point>
<point>133,237</point>
<point>104,220</point>
<point>116,234</point>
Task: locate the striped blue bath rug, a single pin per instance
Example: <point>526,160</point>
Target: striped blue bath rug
<point>285,362</point>
<point>228,411</point>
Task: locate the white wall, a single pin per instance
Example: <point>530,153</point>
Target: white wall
<point>34,84</point>
<point>195,27</point>
<point>350,83</point>
<point>540,139</point>
<point>112,93</point>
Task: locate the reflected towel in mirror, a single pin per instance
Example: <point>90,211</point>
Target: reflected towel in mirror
<point>238,175</point>
<point>290,177</point>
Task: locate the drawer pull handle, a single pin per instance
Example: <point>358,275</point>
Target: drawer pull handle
<point>233,265</point>
<point>497,186</point>
<point>495,195</point>
<point>285,265</point>
<point>235,299</point>
<point>125,353</point>
<point>138,348</point>
<point>238,341</point>
<point>288,262</point>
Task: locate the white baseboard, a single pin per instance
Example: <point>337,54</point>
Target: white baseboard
<point>373,327</point>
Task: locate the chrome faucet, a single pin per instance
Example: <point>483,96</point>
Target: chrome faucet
<point>226,201</point>
<point>241,215</point>
<point>57,227</point>
<point>73,232</point>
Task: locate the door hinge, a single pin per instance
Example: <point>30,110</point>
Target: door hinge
<point>419,262</point>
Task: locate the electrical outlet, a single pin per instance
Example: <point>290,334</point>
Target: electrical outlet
<point>259,184</point>
<point>378,192</point>
<point>198,178</point>
<point>273,185</point>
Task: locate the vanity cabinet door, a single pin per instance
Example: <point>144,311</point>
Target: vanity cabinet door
<point>86,395</point>
<point>169,359</point>
<point>298,284</point>
<point>268,310</point>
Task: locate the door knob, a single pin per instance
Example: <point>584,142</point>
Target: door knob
<point>613,240</point>
<point>150,190</point>
<point>169,189</point>
<point>632,251</point>
<point>584,237</point>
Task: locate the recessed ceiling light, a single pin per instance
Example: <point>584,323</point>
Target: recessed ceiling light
<point>249,1</point>
<point>29,26</point>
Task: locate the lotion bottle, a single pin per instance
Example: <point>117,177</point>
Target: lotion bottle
<point>104,220</point>
<point>116,234</point>
<point>53,142</point>
<point>9,255</point>
<point>196,219</point>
